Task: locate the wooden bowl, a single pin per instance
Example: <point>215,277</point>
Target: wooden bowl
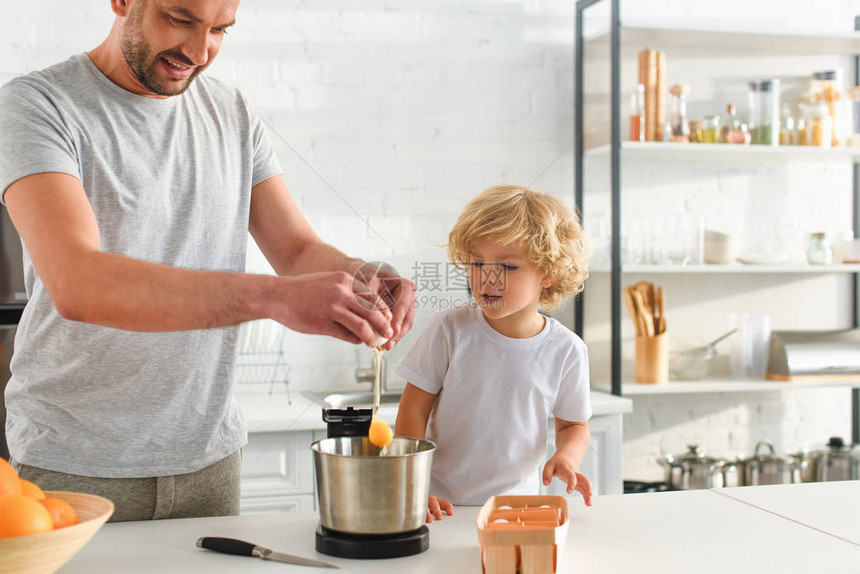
<point>45,553</point>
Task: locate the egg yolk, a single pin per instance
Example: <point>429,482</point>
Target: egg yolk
<point>380,434</point>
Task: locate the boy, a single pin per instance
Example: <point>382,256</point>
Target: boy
<point>488,376</point>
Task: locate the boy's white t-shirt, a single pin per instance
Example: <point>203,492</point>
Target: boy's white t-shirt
<point>495,396</point>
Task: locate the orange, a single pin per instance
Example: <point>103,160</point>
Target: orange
<point>23,516</point>
<point>9,483</point>
<point>31,490</point>
<point>380,433</point>
<point>62,513</point>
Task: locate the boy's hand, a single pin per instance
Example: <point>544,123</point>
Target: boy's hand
<point>435,507</point>
<point>563,468</point>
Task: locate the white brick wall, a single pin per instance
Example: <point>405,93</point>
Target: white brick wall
<point>388,116</point>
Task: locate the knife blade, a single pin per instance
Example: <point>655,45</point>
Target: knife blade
<point>242,548</point>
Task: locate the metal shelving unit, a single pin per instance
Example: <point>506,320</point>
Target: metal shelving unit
<point>722,152</point>
<point>734,269</point>
<point>700,42</point>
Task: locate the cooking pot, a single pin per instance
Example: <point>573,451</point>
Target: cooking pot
<point>769,468</point>
<point>836,461</point>
<point>361,492</point>
<point>693,470</point>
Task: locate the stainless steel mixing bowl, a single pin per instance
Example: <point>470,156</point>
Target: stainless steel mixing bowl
<point>360,492</point>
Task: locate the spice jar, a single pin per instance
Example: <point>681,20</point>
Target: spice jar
<point>732,129</point>
<point>819,125</point>
<point>637,114</point>
<point>680,129</point>
<point>764,111</point>
<point>786,126</point>
<point>708,130</point>
<point>818,249</point>
<point>801,121</point>
<point>825,88</point>
<point>695,130</point>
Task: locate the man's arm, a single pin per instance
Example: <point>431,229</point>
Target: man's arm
<point>286,238</point>
<point>292,247</point>
<point>56,222</point>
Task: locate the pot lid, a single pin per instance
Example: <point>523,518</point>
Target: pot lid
<point>693,456</point>
<point>770,456</point>
<point>836,443</point>
<point>834,448</point>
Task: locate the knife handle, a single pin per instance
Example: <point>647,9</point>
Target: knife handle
<point>226,545</point>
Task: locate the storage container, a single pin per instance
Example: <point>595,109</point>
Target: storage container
<point>764,112</point>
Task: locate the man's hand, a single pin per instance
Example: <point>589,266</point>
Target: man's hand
<point>564,469</point>
<point>436,506</point>
<point>327,304</point>
<point>379,287</point>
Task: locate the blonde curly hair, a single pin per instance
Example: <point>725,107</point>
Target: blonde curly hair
<point>550,231</point>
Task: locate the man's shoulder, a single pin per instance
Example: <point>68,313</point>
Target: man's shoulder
<point>218,91</point>
<point>54,78</point>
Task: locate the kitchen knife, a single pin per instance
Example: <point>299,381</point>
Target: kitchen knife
<point>242,548</point>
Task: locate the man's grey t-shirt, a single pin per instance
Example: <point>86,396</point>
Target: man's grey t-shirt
<point>169,181</point>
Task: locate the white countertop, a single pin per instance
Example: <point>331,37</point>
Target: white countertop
<point>810,504</point>
<point>273,413</point>
<point>702,531</point>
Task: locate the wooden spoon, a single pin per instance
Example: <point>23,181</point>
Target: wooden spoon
<point>659,310</point>
<point>647,317</point>
<point>627,294</point>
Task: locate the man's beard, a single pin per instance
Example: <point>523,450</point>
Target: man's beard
<point>137,56</point>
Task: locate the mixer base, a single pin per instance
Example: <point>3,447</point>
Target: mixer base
<point>372,546</point>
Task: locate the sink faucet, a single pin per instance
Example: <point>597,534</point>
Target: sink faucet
<point>366,375</point>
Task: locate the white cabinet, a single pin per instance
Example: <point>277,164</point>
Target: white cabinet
<point>279,504</point>
<point>602,464</point>
<point>277,472</point>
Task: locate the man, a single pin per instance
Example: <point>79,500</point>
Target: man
<point>133,187</point>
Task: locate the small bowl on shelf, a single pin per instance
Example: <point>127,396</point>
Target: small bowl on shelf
<point>691,364</point>
<point>45,553</point>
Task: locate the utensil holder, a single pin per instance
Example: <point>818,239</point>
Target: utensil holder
<point>652,359</point>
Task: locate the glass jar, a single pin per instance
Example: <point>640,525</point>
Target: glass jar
<point>708,130</point>
<point>732,130</point>
<point>804,115</point>
<point>786,126</point>
<point>818,249</point>
<point>764,111</point>
<point>637,114</point>
<point>680,128</point>
<point>854,136</point>
<point>826,89</point>
<point>819,126</point>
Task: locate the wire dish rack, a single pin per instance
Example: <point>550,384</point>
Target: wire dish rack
<point>260,362</point>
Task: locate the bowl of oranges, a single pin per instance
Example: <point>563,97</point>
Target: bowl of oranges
<point>41,530</point>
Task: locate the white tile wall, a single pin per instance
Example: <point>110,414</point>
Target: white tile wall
<point>388,116</point>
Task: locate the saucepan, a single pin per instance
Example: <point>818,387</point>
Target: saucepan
<point>769,468</point>
<point>694,470</point>
<point>361,492</point>
<point>835,461</point>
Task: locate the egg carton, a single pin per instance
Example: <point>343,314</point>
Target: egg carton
<point>522,534</point>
